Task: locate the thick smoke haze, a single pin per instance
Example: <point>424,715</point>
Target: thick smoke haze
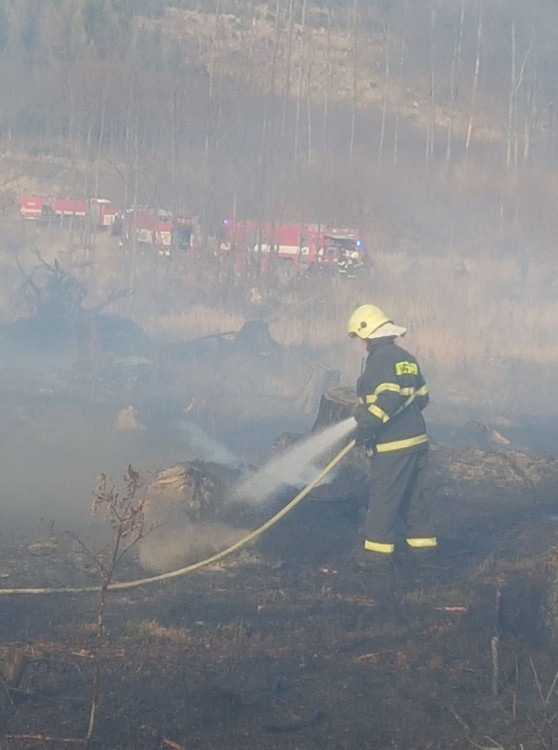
<point>448,174</point>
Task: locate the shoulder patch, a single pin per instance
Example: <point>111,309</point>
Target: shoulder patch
<point>406,368</point>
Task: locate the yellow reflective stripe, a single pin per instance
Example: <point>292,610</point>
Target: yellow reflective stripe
<point>397,445</point>
<point>391,387</point>
<point>371,400</point>
<point>423,542</point>
<point>379,413</point>
<point>384,549</point>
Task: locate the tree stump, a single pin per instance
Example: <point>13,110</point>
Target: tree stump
<point>336,404</point>
<point>529,603</point>
<point>197,489</point>
<point>318,379</point>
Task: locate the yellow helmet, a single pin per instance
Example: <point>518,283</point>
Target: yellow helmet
<point>365,320</point>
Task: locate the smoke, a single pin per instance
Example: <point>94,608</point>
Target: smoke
<point>178,542</point>
<point>294,467</point>
<point>203,448</point>
<point>53,450</point>
<point>175,540</point>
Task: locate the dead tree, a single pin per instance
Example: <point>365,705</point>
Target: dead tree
<point>126,515</point>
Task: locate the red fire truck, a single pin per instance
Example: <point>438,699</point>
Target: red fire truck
<point>150,227</point>
<point>34,208</point>
<point>99,211</point>
<point>303,245</point>
<point>158,229</point>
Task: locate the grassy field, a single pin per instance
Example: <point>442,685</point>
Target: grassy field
<point>484,328</point>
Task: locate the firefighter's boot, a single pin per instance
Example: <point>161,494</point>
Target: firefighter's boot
<point>375,563</point>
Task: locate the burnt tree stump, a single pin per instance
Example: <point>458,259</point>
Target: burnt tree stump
<point>529,602</point>
<point>318,379</point>
<point>336,404</point>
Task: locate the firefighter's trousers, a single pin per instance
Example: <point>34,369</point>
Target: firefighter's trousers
<point>397,507</point>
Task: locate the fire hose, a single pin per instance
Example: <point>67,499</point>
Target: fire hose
<point>124,585</point>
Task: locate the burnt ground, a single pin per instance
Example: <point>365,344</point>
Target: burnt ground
<point>288,644</point>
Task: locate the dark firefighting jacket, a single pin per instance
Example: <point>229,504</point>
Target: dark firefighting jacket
<point>391,394</point>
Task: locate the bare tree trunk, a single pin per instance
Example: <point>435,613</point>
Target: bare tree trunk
<point>516,82</point>
<point>100,140</point>
<point>87,229</point>
<point>133,258</point>
<point>210,81</point>
<point>511,98</point>
<point>271,89</point>
<point>455,76</point>
<point>476,74</point>
<point>309,112</point>
<point>74,150</point>
<point>530,117</point>
<point>127,141</point>
<point>327,92</point>
<point>385,95</point>
<point>288,66</point>
<point>402,55</point>
<point>173,147</point>
<point>261,197</point>
<point>429,151</point>
<point>355,79</point>
<point>550,128</point>
<point>300,82</point>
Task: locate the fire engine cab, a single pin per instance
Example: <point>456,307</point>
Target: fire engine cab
<point>335,243</point>
<point>157,228</point>
<point>150,227</point>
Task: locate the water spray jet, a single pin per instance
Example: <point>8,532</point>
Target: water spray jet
<point>295,466</point>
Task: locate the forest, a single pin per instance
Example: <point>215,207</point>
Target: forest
<point>371,113</point>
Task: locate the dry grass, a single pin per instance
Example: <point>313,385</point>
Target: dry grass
<point>192,322</point>
<point>153,631</point>
<point>438,598</point>
<point>485,328</point>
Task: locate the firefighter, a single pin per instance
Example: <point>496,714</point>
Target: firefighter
<point>391,394</point>
<point>358,265</point>
<point>345,265</point>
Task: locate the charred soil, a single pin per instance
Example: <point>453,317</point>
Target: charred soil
<point>290,644</point>
<point>287,643</point>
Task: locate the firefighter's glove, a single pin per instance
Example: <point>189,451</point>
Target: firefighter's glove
<point>364,437</point>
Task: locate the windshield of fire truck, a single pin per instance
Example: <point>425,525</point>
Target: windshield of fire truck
<point>340,243</point>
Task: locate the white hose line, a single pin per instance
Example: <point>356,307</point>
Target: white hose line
<point>202,563</point>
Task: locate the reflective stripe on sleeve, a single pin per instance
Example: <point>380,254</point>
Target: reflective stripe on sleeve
<point>379,413</point>
<point>389,387</point>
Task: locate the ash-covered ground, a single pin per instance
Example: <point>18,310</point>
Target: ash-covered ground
<point>286,643</point>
